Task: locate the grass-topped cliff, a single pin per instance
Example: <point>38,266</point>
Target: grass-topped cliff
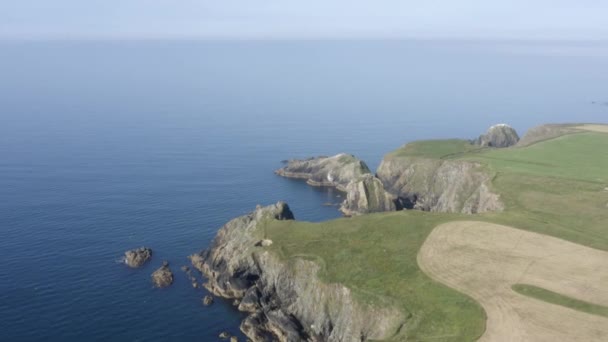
<point>556,186</point>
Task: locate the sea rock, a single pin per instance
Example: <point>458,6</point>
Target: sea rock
<point>163,276</point>
<point>207,300</point>
<point>137,257</point>
<point>286,300</point>
<point>367,195</point>
<point>427,184</point>
<point>224,335</point>
<point>501,135</point>
<point>337,171</point>
<point>233,339</point>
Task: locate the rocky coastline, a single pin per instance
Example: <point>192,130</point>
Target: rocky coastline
<point>285,299</point>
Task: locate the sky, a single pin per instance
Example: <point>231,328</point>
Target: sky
<point>310,19</point>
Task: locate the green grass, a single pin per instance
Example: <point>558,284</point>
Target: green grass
<point>437,149</point>
<point>558,299</point>
<point>375,256</point>
<point>579,157</point>
<point>555,187</point>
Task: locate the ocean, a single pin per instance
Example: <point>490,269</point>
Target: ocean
<point>111,145</point>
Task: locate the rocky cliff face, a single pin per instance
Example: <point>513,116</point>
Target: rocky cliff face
<point>367,195</point>
<point>501,135</point>
<point>438,185</point>
<point>285,299</point>
<point>364,192</point>
<point>337,171</point>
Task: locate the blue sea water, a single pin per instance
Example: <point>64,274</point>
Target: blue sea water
<point>111,145</point>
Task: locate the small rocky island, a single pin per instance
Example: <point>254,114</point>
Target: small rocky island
<point>137,257</point>
<point>163,276</point>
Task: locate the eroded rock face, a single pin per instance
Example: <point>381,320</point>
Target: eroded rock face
<point>285,299</point>
<point>451,186</point>
<point>501,135</point>
<point>367,195</point>
<point>337,171</point>
<point>137,257</point>
<point>163,276</point>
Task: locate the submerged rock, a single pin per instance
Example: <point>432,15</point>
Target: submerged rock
<point>224,335</point>
<point>501,135</point>
<point>136,257</point>
<point>163,276</point>
<point>207,300</point>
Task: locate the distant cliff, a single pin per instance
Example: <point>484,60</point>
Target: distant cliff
<point>337,171</point>
<point>285,299</point>
<point>364,193</point>
<point>438,185</point>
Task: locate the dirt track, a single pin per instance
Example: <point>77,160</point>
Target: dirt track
<point>484,260</point>
<point>594,128</point>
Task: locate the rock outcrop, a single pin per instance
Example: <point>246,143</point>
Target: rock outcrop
<point>546,132</point>
<point>337,171</point>
<point>163,276</point>
<point>285,299</point>
<point>438,185</point>
<point>137,257</point>
<point>367,195</point>
<point>501,135</point>
<point>364,192</point>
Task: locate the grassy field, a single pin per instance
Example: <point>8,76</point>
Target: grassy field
<point>556,187</point>
<point>435,148</point>
<point>556,298</point>
<point>375,256</point>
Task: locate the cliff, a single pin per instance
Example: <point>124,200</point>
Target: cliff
<point>367,195</point>
<point>364,193</point>
<point>285,299</point>
<point>431,184</point>
<point>337,171</point>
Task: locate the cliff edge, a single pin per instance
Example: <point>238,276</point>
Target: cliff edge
<point>285,299</point>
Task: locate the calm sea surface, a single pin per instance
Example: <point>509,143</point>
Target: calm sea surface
<point>107,146</point>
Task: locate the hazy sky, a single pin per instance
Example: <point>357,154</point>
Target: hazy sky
<point>586,19</point>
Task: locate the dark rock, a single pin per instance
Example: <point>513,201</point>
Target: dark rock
<point>163,276</point>
<point>224,335</point>
<point>501,135</point>
<point>137,257</point>
<point>207,300</point>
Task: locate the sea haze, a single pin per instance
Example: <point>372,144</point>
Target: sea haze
<point>107,146</point>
